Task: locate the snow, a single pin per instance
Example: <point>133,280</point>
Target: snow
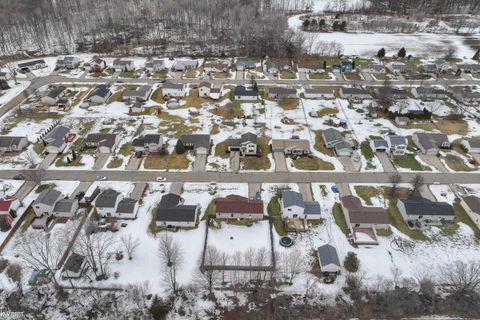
<point>8,187</point>
<point>15,89</point>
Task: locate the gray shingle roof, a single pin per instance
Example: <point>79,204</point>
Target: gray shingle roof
<point>55,92</point>
<point>31,63</point>
<point>332,135</point>
<point>140,92</point>
<point>328,255</point>
<point>102,90</point>
<point>292,198</point>
<point>378,143</point>
<point>246,137</point>
<point>319,90</point>
<point>170,200</point>
<point>180,213</point>
<point>342,145</point>
<point>397,140</point>
<point>56,136</point>
<point>282,90</point>
<point>243,92</point>
<point>64,205</point>
<point>421,206</point>
<point>170,85</point>
<point>103,139</point>
<point>197,140</point>
<point>126,205</point>
<point>47,197</point>
<point>474,143</point>
<point>312,207</point>
<point>7,141</point>
<point>107,199</point>
<point>355,91</point>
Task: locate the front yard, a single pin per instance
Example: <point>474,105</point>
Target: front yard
<point>164,162</point>
<point>312,163</point>
<point>258,163</point>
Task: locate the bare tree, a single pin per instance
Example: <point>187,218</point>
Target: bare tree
<point>292,264</point>
<point>417,182</point>
<point>395,179</point>
<point>130,243</point>
<point>36,176</point>
<point>98,249</point>
<point>209,278</point>
<point>462,277</point>
<point>171,254</point>
<point>30,158</point>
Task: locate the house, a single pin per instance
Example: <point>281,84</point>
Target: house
<point>310,68</point>
<point>141,93</point>
<point>294,207</point>
<point>100,94</point>
<point>215,93</point>
<point>246,144</point>
<point>345,66</point>
<point>417,211</point>
<point>174,89</point>
<point>45,202</point>
<point>354,93</point>
<point>150,143</point>
<point>430,143</point>
<point>54,95</point>
<point>402,121</point>
<point>343,149</point>
<point>398,68</point>
<point>281,93</point>
<point>95,65</point>
<point>392,93</point>
<point>13,144</point>
<point>373,68</point>
<point>328,259</point>
<point>363,221</point>
<point>68,62</point>
<point>242,93</point>
<point>32,65</point>
<point>442,65</point>
<point>471,204</point>
<point>155,65</point>
<point>200,143</point>
<point>465,95</point>
<point>470,145</point>
<point>428,93</point>
<point>215,67</point>
<point>276,66</point>
<point>241,65</point>
<point>397,145</point>
<point>8,209</point>
<point>238,207</point>
<point>120,65</point>
<point>74,267</point>
<point>4,75</point>
<point>204,89</point>
<point>319,93</point>
<point>467,68</point>
<point>65,208</point>
<point>104,142</point>
<point>56,140</point>
<point>172,213</point>
<point>428,68</point>
<point>136,107</point>
<point>379,145</point>
<point>111,203</point>
<point>298,147</point>
<point>184,64</point>
<point>331,137</point>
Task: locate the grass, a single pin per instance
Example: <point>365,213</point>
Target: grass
<point>397,221</point>
<point>160,74</point>
<point>258,163</point>
<point>319,75</point>
<point>319,144</point>
<point>194,101</point>
<point>229,111</point>
<point>456,163</point>
<point>352,76</point>
<point>287,74</point>
<point>384,232</point>
<point>190,73</point>
<point>116,97</point>
<point>126,149</point>
<point>312,163</point>
<point>215,129</point>
<point>174,124</point>
<point>86,127</point>
<point>45,187</point>
<point>38,147</point>
<point>339,217</point>
<point>210,211</point>
<point>327,112</point>
<point>367,193</point>
<point>128,74</point>
<point>170,161</point>
<point>273,210</point>
<point>367,151</point>
<point>289,104</point>
<point>115,163</point>
<point>379,75</point>
<point>221,150</point>
<point>157,96</point>
<point>462,216</point>
<point>62,161</point>
<point>408,161</point>
<point>449,75</point>
<point>445,126</point>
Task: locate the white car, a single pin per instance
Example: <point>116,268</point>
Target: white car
<point>159,179</point>
<point>100,178</point>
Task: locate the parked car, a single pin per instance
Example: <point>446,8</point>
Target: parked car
<point>79,196</point>
<point>159,179</point>
<point>100,178</point>
<point>138,154</point>
<point>19,177</point>
<point>258,196</point>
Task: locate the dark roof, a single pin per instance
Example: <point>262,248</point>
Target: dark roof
<point>319,90</point>
<point>74,262</point>
<point>312,207</point>
<point>56,136</point>
<point>55,92</point>
<point>170,85</point>
<point>31,63</point>
<point>238,204</point>
<point>246,137</point>
<point>292,198</point>
<point>354,91</point>
<point>64,205</point>
<point>419,206</point>
<point>107,199</point>
<point>182,213</point>
<point>138,142</point>
<point>473,203</point>
<point>397,140</point>
<point>327,254</point>
<point>170,200</point>
<point>242,91</point>
<point>378,143</point>
<point>197,140</point>
<point>205,84</point>
<point>331,135</point>
<point>126,205</point>
<point>8,141</point>
<point>103,139</point>
<point>139,92</point>
<point>431,140</point>
<point>360,214</point>
<point>152,138</point>
<point>282,90</point>
<point>102,90</point>
<point>48,197</point>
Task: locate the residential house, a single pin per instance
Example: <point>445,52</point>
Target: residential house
<point>392,93</point>
<point>417,211</point>
<point>56,140</point>
<point>54,95</point>
<point>294,207</point>
<point>343,149</point>
<point>354,93</point>
<point>363,221</point>
<point>120,65</point>
<point>398,68</point>
<point>150,143</point>
<point>428,93</point>
<point>402,121</point>
<point>184,64</point>
<point>328,259</point>
<point>206,89</point>
<point>200,143</point>
<point>103,142</point>
<point>111,203</point>
<point>238,207</point>
<point>428,68</point>
<point>310,68</point>
<point>172,213</point>
<point>373,68</point>
<point>467,68</point>
<point>8,209</point>
<point>442,65</point>
<point>331,137</point>
<point>471,204</point>
<point>32,65</point>
<point>379,145</point>
<point>68,62</point>
<point>430,143</point>
<point>345,66</point>
<point>242,93</point>
<point>141,93</point>
<point>95,65</point>
<point>100,94</point>
<point>45,202</point>
<point>299,147</point>
<point>471,145</point>
<point>465,95</point>
<point>246,144</point>
<point>242,65</point>
<point>43,222</point>
<point>179,90</point>
<point>397,145</point>
<point>277,65</point>
<point>281,93</point>
<point>4,75</point>
<point>74,267</point>
<point>136,107</point>
<point>65,208</point>
<point>319,93</point>
<point>13,144</point>
<point>155,65</point>
<point>215,67</point>
<point>215,93</point>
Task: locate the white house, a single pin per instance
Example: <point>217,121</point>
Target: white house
<point>54,95</point>
<point>95,65</point>
<point>204,89</point>
<point>123,65</point>
<point>111,203</point>
<point>184,64</point>
<point>397,145</point>
<point>319,93</point>
<point>4,75</point>
<point>69,62</point>
<point>246,144</point>
<point>294,207</point>
<point>215,67</point>
<point>149,143</point>
<point>100,94</point>
<point>155,65</point>
<point>174,89</point>
<point>13,143</point>
<point>418,211</point>
<point>328,259</point>
<point>32,65</point>
<point>45,202</point>
<point>104,142</point>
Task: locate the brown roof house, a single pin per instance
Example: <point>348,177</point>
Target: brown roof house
<point>238,207</point>
<point>364,221</point>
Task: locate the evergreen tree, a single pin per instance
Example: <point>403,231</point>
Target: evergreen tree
<point>255,86</point>
<point>180,148</point>
<point>381,53</point>
<point>353,65</point>
<point>321,23</point>
<point>306,24</point>
<point>402,53</point>
<point>351,262</point>
<point>74,155</point>
<point>324,65</point>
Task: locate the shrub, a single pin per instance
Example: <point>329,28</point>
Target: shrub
<point>351,262</point>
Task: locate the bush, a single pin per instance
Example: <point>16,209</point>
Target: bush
<point>351,262</point>
<point>180,148</point>
<point>159,308</point>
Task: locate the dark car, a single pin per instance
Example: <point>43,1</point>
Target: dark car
<point>138,154</point>
<point>79,196</point>
<point>19,177</point>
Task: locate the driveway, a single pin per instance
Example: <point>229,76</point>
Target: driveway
<point>235,161</point>
<point>240,75</point>
<point>24,190</point>
<point>138,190</point>
<point>176,188</point>
<point>101,160</point>
<point>347,164</point>
<point>343,189</point>
<point>47,161</point>
<point>280,162</point>
<point>82,187</point>
<point>253,188</point>
<point>302,76</point>
<point>434,161</point>
<point>385,161</point>
<point>426,193</point>
<point>306,191</point>
<point>199,163</point>
<point>134,163</point>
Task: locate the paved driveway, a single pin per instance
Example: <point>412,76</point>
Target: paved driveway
<point>82,187</point>
<point>280,162</point>
<point>385,161</point>
<point>138,190</point>
<point>101,160</point>
<point>235,161</point>
<point>434,161</point>
<point>47,161</point>
<point>343,189</point>
<point>199,163</point>
<point>240,75</point>
<point>253,188</point>
<point>347,164</point>
<point>134,163</point>
<point>426,193</point>
<point>176,188</point>
<point>306,190</point>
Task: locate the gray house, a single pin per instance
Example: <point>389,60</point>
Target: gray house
<point>13,144</point>
<point>343,149</point>
<point>281,93</point>
<point>200,143</point>
<point>68,62</point>
<point>328,259</point>
<point>65,208</point>
<point>379,145</point>
<point>428,93</point>
<point>331,137</point>
<point>54,95</point>
<point>242,93</point>
<point>55,141</point>
<point>299,147</point>
<point>246,144</point>
<point>149,143</point>
<point>392,93</point>
<point>419,211</point>
<point>430,143</point>
<point>241,64</point>
<point>171,212</point>
<point>141,93</point>
<point>45,202</point>
<point>32,65</point>
<point>100,94</point>
<point>294,207</point>
<point>104,142</point>
<point>354,93</point>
